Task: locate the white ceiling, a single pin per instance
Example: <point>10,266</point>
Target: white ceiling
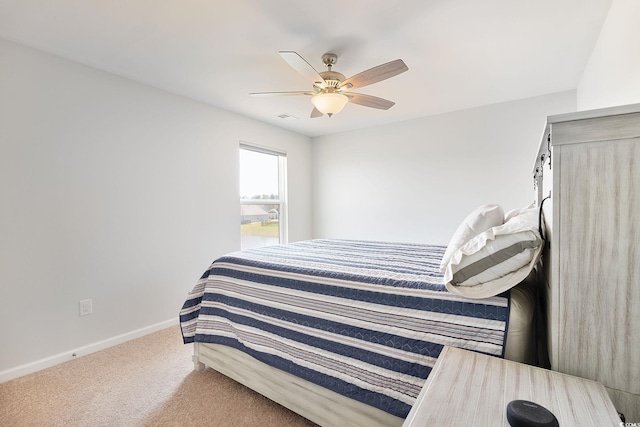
<point>460,53</point>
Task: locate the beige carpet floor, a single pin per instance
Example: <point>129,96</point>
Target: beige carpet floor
<point>148,381</point>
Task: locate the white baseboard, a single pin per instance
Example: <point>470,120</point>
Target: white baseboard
<point>47,362</point>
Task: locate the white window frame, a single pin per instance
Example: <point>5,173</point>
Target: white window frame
<point>281,203</point>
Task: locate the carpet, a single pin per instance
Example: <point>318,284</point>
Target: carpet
<point>147,382</point>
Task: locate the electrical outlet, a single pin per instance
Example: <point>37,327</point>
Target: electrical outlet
<point>85,307</point>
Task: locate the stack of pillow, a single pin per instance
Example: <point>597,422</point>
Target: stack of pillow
<point>491,252</point>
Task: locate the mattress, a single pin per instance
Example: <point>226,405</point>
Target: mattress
<point>364,319</point>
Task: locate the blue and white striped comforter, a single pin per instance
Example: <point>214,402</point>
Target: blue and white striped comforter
<point>364,319</point>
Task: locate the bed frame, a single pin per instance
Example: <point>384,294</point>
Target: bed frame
<point>316,403</point>
<point>326,407</point>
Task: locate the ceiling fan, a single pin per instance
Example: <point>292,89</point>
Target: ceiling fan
<point>330,91</point>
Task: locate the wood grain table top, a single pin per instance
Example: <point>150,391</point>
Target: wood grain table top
<point>467,388</point>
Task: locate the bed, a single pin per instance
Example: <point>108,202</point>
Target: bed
<point>344,332</point>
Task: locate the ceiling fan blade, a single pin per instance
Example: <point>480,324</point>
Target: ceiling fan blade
<point>301,65</point>
<point>375,74</point>
<point>315,113</point>
<point>370,101</point>
<point>295,92</point>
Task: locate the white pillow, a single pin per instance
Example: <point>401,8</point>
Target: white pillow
<point>497,259</point>
<point>478,221</point>
<point>515,212</point>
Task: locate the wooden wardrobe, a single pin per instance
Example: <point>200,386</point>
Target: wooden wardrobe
<point>589,163</point>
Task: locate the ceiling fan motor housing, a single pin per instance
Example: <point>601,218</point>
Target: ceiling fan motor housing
<point>332,78</point>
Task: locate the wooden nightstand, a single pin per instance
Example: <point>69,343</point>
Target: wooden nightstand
<point>467,388</point>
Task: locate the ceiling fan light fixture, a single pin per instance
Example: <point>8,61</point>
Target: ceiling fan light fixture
<point>329,94</point>
<point>329,103</point>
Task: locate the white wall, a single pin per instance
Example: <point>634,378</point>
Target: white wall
<point>612,75</point>
<point>415,181</point>
<point>114,191</point>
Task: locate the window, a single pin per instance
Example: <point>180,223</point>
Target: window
<point>263,212</point>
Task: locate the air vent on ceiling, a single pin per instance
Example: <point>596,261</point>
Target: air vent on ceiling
<point>286,116</point>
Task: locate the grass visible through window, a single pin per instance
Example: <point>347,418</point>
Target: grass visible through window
<point>269,229</point>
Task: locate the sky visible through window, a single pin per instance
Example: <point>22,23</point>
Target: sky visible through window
<point>258,174</point>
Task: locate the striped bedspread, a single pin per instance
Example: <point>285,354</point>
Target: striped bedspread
<point>364,319</point>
